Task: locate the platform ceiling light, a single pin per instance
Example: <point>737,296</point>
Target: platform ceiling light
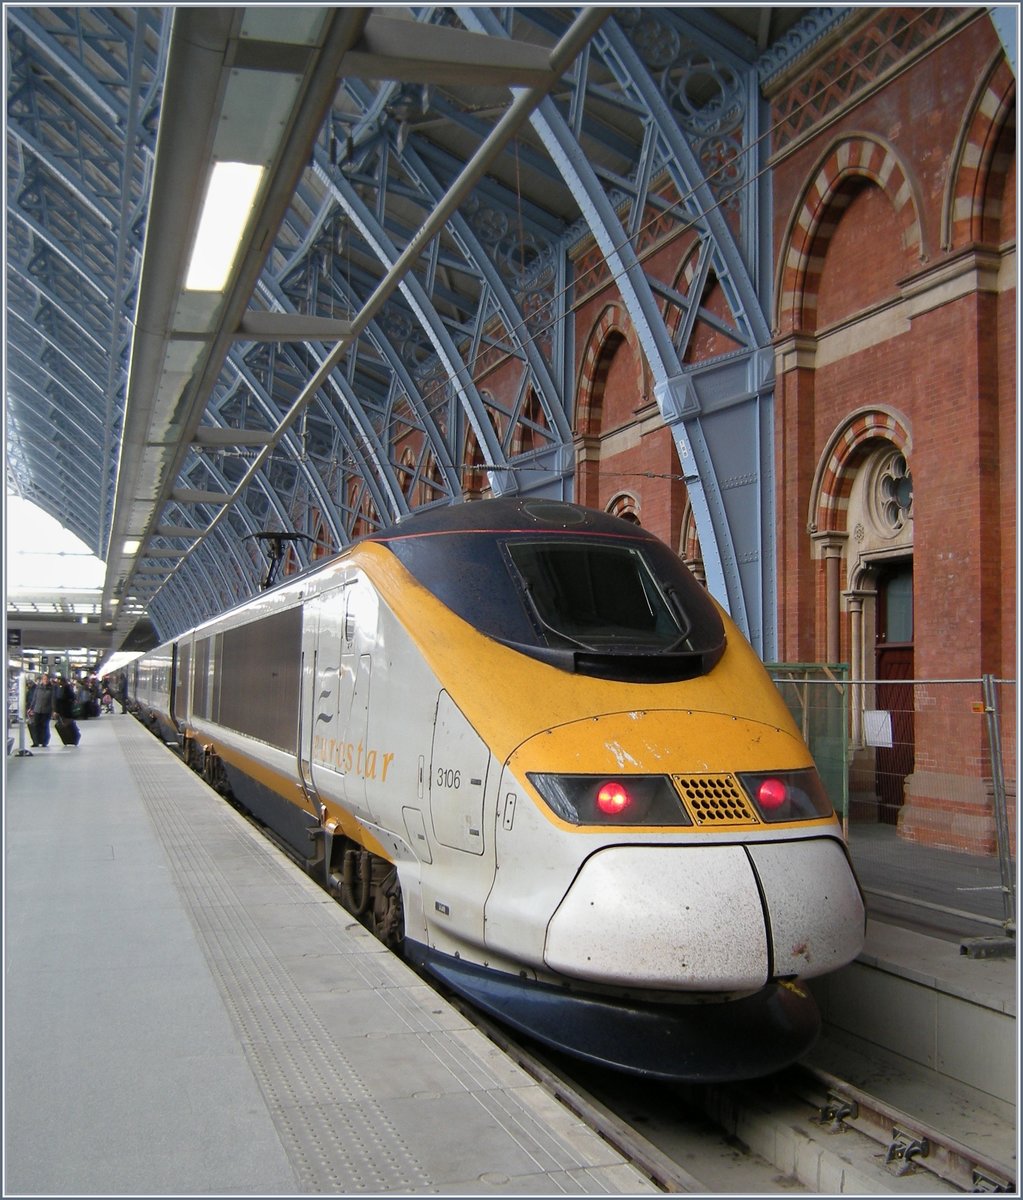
<point>229,198</point>
<point>131,545</point>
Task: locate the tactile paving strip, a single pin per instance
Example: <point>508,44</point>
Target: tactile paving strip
<point>335,1133</point>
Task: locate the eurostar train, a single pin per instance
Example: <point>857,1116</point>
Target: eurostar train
<point>525,746</point>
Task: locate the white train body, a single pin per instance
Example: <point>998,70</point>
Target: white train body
<point>354,711</point>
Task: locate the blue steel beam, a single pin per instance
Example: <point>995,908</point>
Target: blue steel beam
<point>358,431</point>
<point>366,222</point>
<point>24,371</point>
<point>731,544</point>
<point>556,407</point>
<point>723,412</point>
<point>419,184</point>
<point>291,443</point>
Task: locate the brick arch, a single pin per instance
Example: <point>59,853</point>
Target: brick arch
<point>407,470</point>
<point>802,259</point>
<point>975,169</point>
<point>626,506</point>
<point>836,469</point>
<point>322,537</point>
<point>364,517</point>
<point>474,475</point>
<point>605,337</point>
<point>292,563</point>
<point>526,436</point>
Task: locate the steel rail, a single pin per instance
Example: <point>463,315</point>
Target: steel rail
<point>910,1142</point>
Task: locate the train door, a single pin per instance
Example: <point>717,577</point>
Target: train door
<point>307,704</point>
<point>318,710</point>
<point>462,820</point>
<point>458,779</point>
<point>181,674</point>
<point>895,693</point>
<point>358,634</point>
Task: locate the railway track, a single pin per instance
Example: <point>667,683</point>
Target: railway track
<point>804,1130</point>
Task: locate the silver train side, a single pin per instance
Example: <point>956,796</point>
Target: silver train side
<point>529,751</point>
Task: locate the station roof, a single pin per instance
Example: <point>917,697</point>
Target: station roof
<point>403,215</point>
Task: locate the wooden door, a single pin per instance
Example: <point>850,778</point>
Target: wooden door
<point>895,693</point>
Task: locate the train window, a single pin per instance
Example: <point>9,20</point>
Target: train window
<point>200,687</point>
<point>217,663</point>
<point>260,667</point>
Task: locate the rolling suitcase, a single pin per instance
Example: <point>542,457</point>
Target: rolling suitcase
<point>67,731</point>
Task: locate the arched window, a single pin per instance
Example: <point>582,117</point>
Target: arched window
<point>625,506</point>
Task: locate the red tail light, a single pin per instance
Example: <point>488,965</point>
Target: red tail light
<point>596,800</point>
<point>613,799</point>
<point>772,793</point>
<point>788,795</point>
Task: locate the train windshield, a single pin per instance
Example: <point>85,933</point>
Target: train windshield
<point>597,596</point>
<point>609,603</point>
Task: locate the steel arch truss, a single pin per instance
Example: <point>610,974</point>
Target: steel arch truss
<point>461,379</point>
<point>411,379</point>
<point>83,98</point>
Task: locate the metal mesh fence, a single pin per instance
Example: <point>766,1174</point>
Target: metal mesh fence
<point>923,775</point>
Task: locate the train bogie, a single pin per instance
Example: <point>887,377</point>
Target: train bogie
<point>522,742</point>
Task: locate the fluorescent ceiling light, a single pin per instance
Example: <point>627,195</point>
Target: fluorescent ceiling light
<point>131,545</point>
<point>229,199</point>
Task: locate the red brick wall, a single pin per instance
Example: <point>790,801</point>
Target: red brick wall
<point>950,370</point>
<point>895,294</point>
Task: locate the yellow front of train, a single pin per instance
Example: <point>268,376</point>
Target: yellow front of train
<point>704,853</point>
<point>666,863</point>
<point>657,836</point>
<point>674,836</point>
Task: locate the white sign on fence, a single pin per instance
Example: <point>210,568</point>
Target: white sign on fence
<point>877,727</point>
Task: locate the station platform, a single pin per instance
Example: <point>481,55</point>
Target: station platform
<point>187,1013</point>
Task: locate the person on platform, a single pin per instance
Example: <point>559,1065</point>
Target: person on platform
<point>64,711</point>
<point>40,710</point>
<point>83,700</point>
<point>95,691</point>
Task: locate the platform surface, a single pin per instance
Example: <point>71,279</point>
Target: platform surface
<point>186,1013</point>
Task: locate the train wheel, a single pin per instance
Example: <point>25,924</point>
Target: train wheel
<point>193,755</point>
<point>387,920</point>
<point>367,887</point>
<point>213,772</point>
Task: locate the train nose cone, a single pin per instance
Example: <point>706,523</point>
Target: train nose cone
<point>693,917</point>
